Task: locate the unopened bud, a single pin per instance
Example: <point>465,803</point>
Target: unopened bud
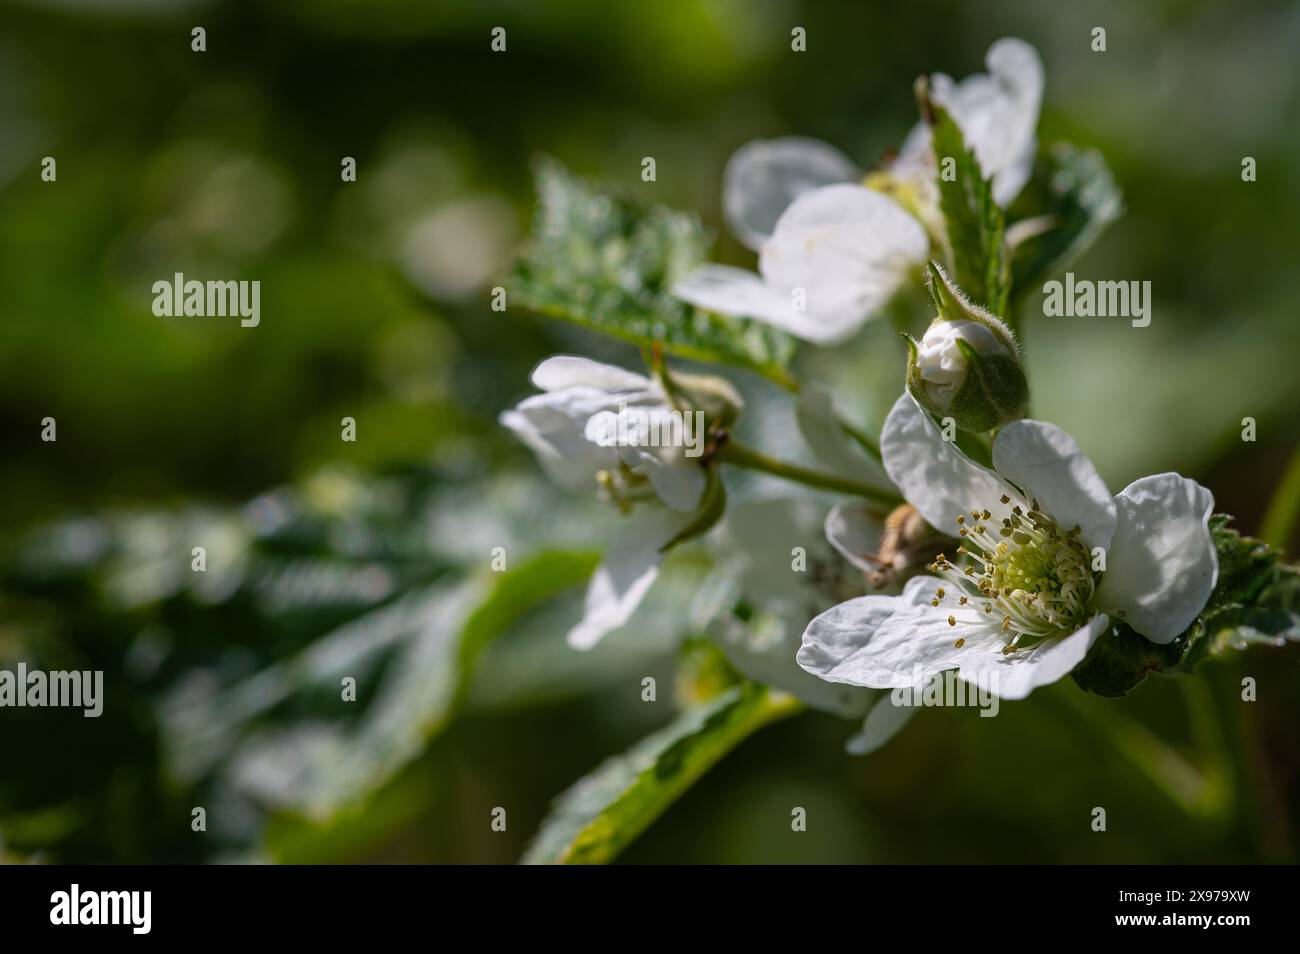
<point>967,365</point>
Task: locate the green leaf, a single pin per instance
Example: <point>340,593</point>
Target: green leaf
<point>1072,197</point>
<point>607,264</point>
<point>600,815</point>
<point>1256,601</point>
<point>410,659</point>
<point>974,221</point>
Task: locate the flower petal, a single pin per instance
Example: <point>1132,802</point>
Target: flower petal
<point>854,530</point>
<point>764,177</point>
<point>997,112</point>
<point>630,567</point>
<point>1017,675</point>
<point>734,291</point>
<point>886,642</point>
<point>883,722</point>
<point>1162,565</point>
<point>552,427</point>
<point>934,476</point>
<point>847,248</point>
<point>567,371</point>
<point>679,483</point>
<point>1049,466</point>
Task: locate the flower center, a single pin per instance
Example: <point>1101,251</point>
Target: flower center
<point>1027,578</point>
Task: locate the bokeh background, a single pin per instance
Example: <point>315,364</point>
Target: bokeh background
<point>369,558</point>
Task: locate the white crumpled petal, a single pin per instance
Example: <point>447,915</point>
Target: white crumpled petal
<point>885,647</point>
<point>764,177</point>
<point>883,722</point>
<point>863,643</point>
<point>1162,566</point>
<point>623,578</point>
<point>854,530</point>
<point>848,248</point>
<point>1049,467</point>
<point>1016,676</point>
<point>934,476</point>
<point>997,113</point>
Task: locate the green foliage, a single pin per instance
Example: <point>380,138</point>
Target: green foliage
<point>975,224</point>
<point>1073,197</point>
<point>600,815</point>
<point>1256,600</point>
<point>609,265</point>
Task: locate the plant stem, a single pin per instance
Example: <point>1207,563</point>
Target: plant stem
<point>863,439</point>
<point>739,455</point>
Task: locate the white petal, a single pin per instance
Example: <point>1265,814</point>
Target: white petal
<point>883,722</point>
<point>997,113</point>
<point>854,530</point>
<point>891,641</point>
<point>764,177</point>
<point>630,566</point>
<point>552,427</point>
<point>734,291</point>
<point>847,248</point>
<point>1017,675</point>
<point>934,476</point>
<point>829,442</point>
<point>679,484</point>
<point>833,640</point>
<point>1049,466</point>
<point>1162,565</point>
<point>567,371</point>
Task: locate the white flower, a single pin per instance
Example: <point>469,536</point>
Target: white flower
<point>832,252</point>
<point>835,258</point>
<point>997,113</point>
<point>1028,605</point>
<point>572,429</point>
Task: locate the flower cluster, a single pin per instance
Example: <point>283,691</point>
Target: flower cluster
<point>968,538</point>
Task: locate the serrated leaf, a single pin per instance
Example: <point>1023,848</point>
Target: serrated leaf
<point>600,816</point>
<point>974,221</point>
<point>1256,601</point>
<point>608,264</point>
<point>1074,196</point>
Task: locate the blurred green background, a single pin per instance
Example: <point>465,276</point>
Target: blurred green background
<point>364,558</point>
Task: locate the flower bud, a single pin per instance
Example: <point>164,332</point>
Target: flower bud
<point>967,365</point>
